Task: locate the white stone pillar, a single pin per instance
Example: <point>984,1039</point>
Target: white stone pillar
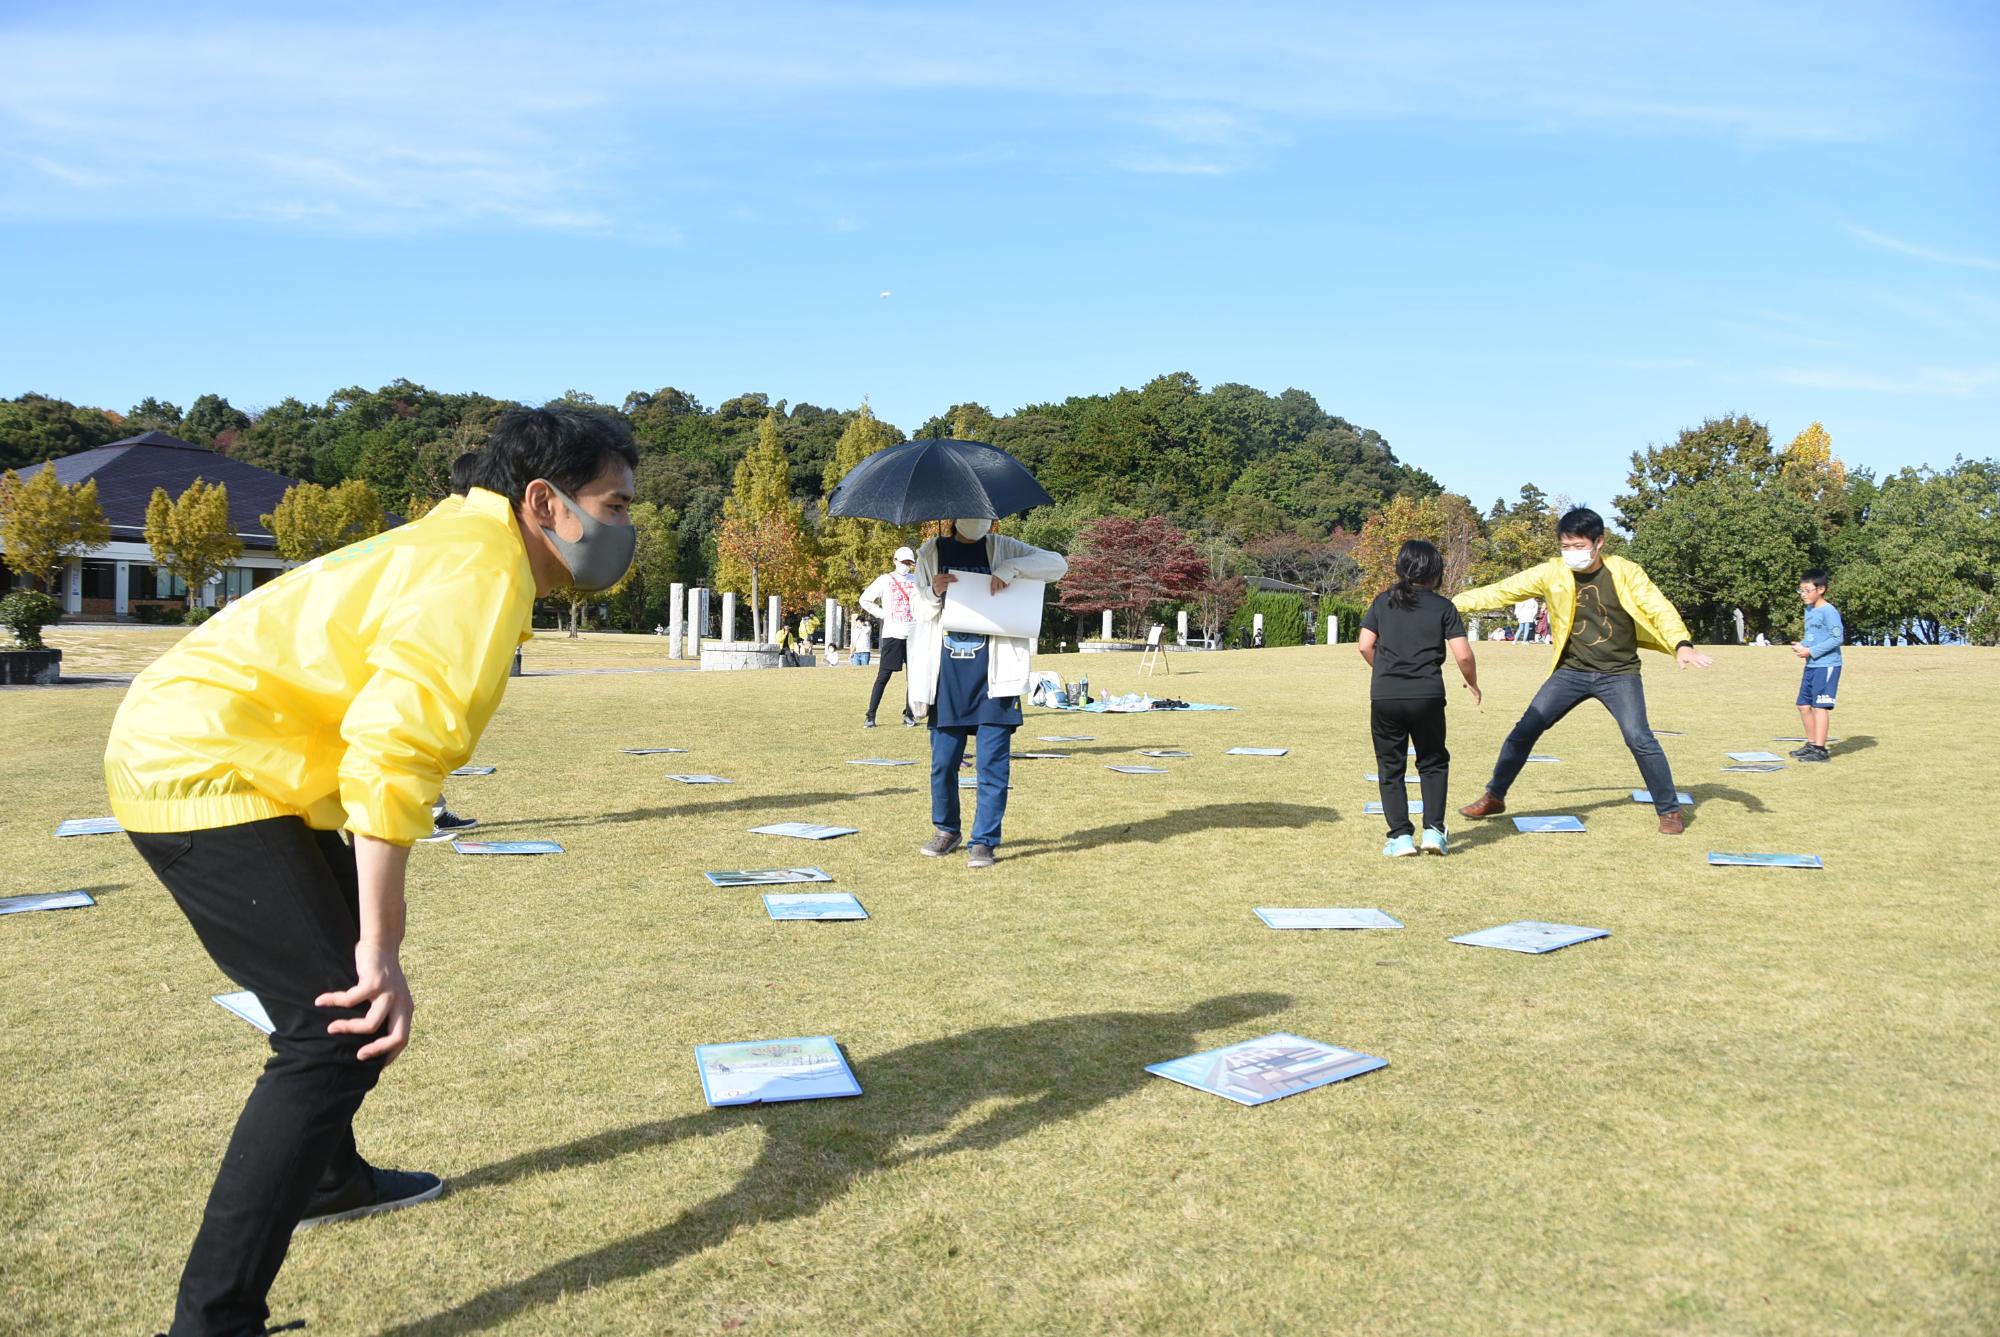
<point>1333,629</point>
<point>1180,627</point>
<point>72,578</point>
<point>676,618</point>
<point>123,590</point>
<point>832,625</point>
<point>771,620</point>
<point>697,617</point>
<point>1107,624</point>
<point>1256,627</point>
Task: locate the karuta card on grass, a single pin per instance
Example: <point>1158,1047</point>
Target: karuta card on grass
<point>1268,1068</point>
<point>46,900</point>
<point>1326,918</point>
<point>813,905</point>
<point>1532,936</point>
<point>1765,860</point>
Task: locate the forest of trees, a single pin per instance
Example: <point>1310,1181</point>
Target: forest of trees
<point>1251,483</point>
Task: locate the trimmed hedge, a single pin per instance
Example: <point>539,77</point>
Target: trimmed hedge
<point>1284,619</point>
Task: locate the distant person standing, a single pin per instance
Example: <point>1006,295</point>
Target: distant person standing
<point>446,824</point>
<point>1820,648</point>
<point>970,686</point>
<point>888,600</point>
<point>1404,636</point>
<point>1525,619</point>
<point>1602,611</point>
<point>1542,625</point>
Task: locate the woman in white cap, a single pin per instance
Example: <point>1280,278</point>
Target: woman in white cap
<point>887,600</point>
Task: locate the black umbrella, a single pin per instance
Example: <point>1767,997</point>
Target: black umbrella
<point>937,480</point>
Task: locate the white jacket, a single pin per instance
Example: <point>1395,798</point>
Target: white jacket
<point>878,601</point>
<point>1007,657</point>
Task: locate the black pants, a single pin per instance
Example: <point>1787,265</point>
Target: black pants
<point>275,903</point>
<point>894,651</point>
<point>1398,725</point>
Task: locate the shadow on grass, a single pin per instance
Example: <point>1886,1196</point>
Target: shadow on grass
<point>1489,829</point>
<point>1047,1071</point>
<point>1858,743</point>
<point>747,803</point>
<point>1180,822</point>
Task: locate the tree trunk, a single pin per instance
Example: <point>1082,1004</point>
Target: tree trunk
<point>574,608</point>
<point>756,623</point>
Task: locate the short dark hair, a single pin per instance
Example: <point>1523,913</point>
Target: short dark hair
<point>1418,567</point>
<point>1816,575</point>
<point>1582,522</point>
<point>465,472</point>
<point>567,447</point>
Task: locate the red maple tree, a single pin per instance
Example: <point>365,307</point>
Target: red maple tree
<point>1131,566</point>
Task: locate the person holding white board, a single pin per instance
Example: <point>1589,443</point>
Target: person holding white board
<point>970,645</point>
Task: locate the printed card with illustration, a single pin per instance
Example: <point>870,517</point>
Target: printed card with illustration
<point>1646,796</point>
<point>813,905</point>
<point>47,900</point>
<point>248,1006</point>
<point>1373,807</point>
<point>89,826</point>
<point>506,847</point>
<point>1039,756</point>
<point>1531,936</point>
<point>1268,1068</point>
<point>1754,768</point>
<point>1259,751</point>
<point>1326,918</point>
<point>1756,756</point>
<point>1067,737</point>
<point>1542,826</point>
<point>1164,752</point>
<point>475,770</point>
<point>649,751</point>
<point>1138,770</point>
<point>1766,860</point>
<point>804,830</point>
<point>1544,759</point>
<point>765,877</point>
<point>805,1068</point>
<point>701,779</point>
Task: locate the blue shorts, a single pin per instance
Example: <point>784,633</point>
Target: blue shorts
<point>1819,686</point>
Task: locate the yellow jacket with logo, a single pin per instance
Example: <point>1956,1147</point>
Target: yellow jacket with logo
<point>342,692</point>
<point>1658,626</point>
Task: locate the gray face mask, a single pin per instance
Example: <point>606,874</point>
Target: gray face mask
<point>600,558</point>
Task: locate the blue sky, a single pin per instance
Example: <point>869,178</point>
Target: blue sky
<point>1520,241</point>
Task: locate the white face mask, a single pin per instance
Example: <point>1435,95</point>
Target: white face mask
<point>972,530</point>
<point>1579,559</point>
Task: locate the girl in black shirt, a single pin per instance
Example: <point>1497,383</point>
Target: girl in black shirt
<point>1404,636</point>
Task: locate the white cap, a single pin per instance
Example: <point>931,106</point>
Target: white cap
<point>906,555</point>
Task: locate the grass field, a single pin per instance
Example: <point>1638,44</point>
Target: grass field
<point>1767,1103</point>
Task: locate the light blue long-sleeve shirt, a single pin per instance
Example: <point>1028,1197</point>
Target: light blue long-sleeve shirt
<point>1823,636</point>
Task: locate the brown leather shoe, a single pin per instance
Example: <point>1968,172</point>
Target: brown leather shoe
<point>1483,806</point>
<point>1671,824</point>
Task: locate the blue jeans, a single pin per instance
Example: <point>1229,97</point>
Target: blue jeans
<point>996,743</point>
<point>1623,695</point>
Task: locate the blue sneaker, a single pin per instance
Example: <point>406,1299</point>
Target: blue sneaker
<point>1434,841</point>
<point>1399,847</point>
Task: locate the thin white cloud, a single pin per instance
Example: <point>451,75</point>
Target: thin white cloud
<point>1176,167</point>
<point>1936,257</point>
<point>1939,381</point>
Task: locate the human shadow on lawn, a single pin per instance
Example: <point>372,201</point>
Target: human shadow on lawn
<point>1179,822</point>
<point>747,803</point>
<point>1046,1071</point>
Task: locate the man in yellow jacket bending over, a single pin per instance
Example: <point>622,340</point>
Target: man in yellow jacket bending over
<point>1602,612</point>
<point>273,769</point>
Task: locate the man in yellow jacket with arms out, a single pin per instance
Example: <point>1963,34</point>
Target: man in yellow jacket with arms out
<point>1602,611</point>
<point>273,769</point>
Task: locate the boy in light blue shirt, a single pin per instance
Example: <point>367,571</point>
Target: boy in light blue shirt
<point>1820,648</point>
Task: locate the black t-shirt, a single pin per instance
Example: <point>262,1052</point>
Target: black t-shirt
<point>1602,639</point>
<point>1409,646</point>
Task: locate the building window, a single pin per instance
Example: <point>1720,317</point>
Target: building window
<point>149,582</point>
<point>238,581</point>
<point>100,580</point>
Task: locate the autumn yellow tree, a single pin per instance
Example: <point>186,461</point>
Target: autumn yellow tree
<point>762,546</point>
<point>1812,472</point>
<point>44,522</point>
<point>190,535</point>
<point>853,552</point>
<point>1448,521</point>
<point>312,520</point>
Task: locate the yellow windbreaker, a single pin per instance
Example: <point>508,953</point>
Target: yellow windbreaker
<point>1658,626</point>
<point>342,692</point>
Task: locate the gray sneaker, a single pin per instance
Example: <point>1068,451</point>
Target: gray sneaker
<point>943,843</point>
<point>979,856</point>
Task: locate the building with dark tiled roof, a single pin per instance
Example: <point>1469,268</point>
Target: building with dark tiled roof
<point>119,578</point>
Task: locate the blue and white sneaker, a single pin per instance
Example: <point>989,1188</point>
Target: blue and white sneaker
<point>1434,841</point>
<point>1400,847</point>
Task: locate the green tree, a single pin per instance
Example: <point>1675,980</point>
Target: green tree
<point>191,536</point>
<point>312,520</point>
<point>1735,444</point>
<point>45,522</point>
<point>1925,557</point>
<point>762,544</point>
<point>655,567</point>
<point>154,415</point>
<point>855,551</point>
<point>36,427</point>
<point>213,421</point>
<point>1724,543</point>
